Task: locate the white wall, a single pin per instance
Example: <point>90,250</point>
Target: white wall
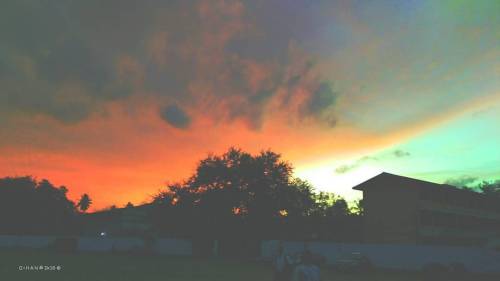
<point>411,257</point>
<point>102,244</point>
<point>176,247</point>
<point>179,247</point>
<point>12,241</point>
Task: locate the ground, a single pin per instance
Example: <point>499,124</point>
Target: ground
<point>115,267</point>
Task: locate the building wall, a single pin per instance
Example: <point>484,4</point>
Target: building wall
<point>450,217</point>
<point>390,215</point>
<point>417,212</point>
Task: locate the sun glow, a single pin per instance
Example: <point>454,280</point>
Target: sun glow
<point>324,178</point>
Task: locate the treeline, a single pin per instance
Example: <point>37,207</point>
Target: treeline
<point>28,206</point>
<point>489,188</point>
<point>235,194</point>
<point>252,196</point>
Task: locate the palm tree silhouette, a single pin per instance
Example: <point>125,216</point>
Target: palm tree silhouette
<point>84,202</point>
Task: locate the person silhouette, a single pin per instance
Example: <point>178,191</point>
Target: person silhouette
<point>307,270</point>
<point>282,265</point>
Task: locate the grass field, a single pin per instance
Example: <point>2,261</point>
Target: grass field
<point>109,267</point>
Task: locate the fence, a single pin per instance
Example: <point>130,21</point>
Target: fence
<point>402,257</point>
<point>177,247</point>
<point>28,241</point>
<point>405,257</point>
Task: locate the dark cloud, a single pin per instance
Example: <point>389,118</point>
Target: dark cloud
<point>322,98</point>
<point>32,26</point>
<point>68,103</point>
<point>398,153</point>
<point>462,181</point>
<point>175,116</point>
<point>401,153</point>
<point>274,31</point>
<point>292,82</point>
<point>48,66</point>
<point>72,60</point>
<point>347,168</point>
<point>70,112</point>
<point>321,102</point>
<point>238,55</point>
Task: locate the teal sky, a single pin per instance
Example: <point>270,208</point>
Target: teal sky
<point>425,77</point>
<point>467,146</point>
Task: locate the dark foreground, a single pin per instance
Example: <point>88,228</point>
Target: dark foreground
<point>114,267</point>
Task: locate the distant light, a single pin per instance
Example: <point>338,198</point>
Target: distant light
<point>103,233</point>
<point>240,211</point>
<point>175,200</point>
<point>283,213</point>
<point>236,210</point>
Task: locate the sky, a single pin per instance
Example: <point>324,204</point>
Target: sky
<point>118,98</point>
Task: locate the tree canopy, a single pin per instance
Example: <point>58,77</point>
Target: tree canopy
<point>28,206</point>
<point>491,188</point>
<point>240,192</point>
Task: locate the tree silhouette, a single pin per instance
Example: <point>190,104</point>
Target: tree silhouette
<point>359,207</point>
<point>339,208</point>
<point>84,202</point>
<point>237,194</point>
<point>31,207</point>
<point>490,188</point>
<point>258,186</point>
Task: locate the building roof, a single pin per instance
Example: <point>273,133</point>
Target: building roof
<point>384,178</point>
<point>387,179</point>
<point>116,210</point>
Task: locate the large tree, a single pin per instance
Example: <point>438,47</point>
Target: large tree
<point>259,186</point>
<point>28,206</point>
<point>237,193</point>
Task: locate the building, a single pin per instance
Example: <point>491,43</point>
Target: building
<point>128,221</point>
<point>399,209</point>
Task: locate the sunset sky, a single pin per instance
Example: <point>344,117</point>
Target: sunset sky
<point>116,98</point>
